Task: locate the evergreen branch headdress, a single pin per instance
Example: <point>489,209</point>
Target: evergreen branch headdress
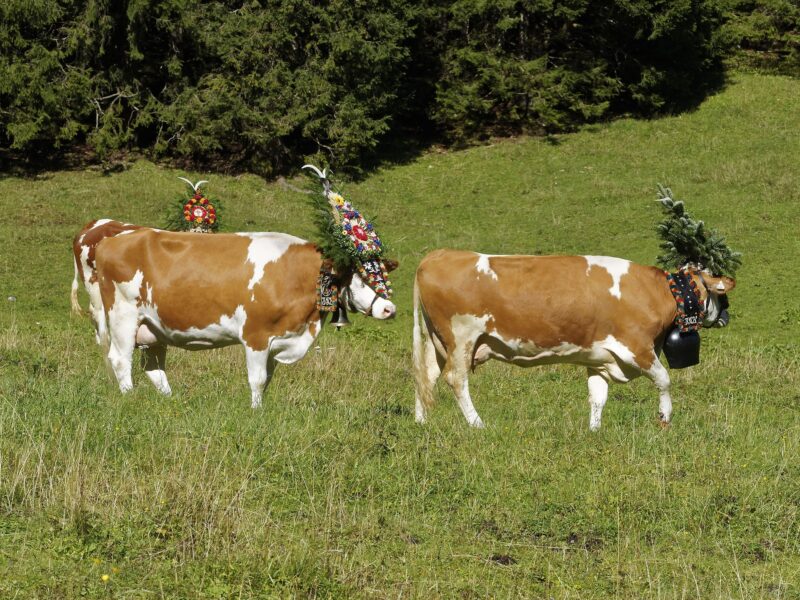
<point>346,237</point>
<point>685,240</point>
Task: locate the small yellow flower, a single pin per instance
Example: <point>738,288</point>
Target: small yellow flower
<point>105,577</point>
<point>115,570</point>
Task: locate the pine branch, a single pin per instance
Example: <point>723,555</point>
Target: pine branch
<point>685,240</point>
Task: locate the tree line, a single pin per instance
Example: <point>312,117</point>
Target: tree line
<point>261,84</point>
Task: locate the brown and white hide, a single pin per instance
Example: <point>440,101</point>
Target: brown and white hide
<point>197,292</point>
<point>607,314</point>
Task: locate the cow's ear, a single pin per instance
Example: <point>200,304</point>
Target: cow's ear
<point>390,264</point>
<point>327,264</point>
<point>720,285</point>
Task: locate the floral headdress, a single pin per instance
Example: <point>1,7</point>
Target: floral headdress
<point>686,241</point>
<point>196,212</point>
<point>347,238</point>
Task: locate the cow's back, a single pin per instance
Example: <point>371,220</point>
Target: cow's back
<point>548,300</point>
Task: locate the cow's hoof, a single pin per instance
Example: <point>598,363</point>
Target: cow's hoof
<point>663,424</point>
<point>477,424</point>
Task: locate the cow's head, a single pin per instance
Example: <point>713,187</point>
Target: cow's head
<point>359,296</point>
<point>716,301</point>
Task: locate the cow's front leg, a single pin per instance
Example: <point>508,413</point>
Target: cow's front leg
<point>260,367</point>
<point>659,375</point>
<point>598,394</point>
<point>154,360</point>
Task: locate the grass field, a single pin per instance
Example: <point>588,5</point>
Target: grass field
<point>332,490</point>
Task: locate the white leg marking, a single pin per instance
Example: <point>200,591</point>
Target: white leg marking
<point>122,325</point>
<point>123,320</point>
<point>598,394</point>
<point>659,375</point>
<point>259,371</point>
<point>466,330</point>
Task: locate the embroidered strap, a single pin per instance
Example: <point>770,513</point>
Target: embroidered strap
<point>687,297</point>
<point>375,275</point>
<point>327,291</point>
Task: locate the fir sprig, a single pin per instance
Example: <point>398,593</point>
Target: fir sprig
<point>686,240</point>
<point>331,240</point>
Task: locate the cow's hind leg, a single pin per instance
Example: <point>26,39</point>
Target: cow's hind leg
<point>659,375</point>
<point>456,372</point>
<point>122,324</point>
<point>598,394</point>
<point>154,360</point>
<point>260,368</point>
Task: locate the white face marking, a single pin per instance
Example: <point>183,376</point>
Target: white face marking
<point>265,248</point>
<point>616,267</point>
<point>362,296</point>
<point>720,287</point>
<point>483,266</point>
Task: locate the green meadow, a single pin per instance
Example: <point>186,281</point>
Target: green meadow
<point>332,489</point>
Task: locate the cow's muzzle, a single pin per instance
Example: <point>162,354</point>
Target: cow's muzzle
<point>724,318</point>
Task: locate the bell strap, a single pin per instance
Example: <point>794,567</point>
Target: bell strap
<point>687,299</point>
<point>327,291</point>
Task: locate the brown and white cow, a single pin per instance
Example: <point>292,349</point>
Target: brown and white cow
<point>84,247</point>
<point>607,314</point>
<point>196,292</point>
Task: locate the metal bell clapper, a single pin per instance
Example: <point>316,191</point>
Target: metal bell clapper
<point>340,319</point>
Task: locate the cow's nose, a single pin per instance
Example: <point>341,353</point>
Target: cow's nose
<point>388,311</point>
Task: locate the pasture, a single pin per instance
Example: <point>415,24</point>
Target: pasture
<point>332,490</point>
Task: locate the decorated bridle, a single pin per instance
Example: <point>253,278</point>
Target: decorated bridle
<point>691,311</point>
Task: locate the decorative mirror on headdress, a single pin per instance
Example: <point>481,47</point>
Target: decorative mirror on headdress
<point>348,241</point>
<point>194,211</point>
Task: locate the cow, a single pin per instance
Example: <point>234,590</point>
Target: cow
<point>84,247</point>
<point>607,314</point>
<point>197,292</point>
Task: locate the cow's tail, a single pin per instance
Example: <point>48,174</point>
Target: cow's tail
<point>424,358</point>
<point>73,297</point>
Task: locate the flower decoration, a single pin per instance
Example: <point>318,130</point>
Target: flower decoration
<point>196,213</point>
<point>347,238</point>
<point>355,234</point>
